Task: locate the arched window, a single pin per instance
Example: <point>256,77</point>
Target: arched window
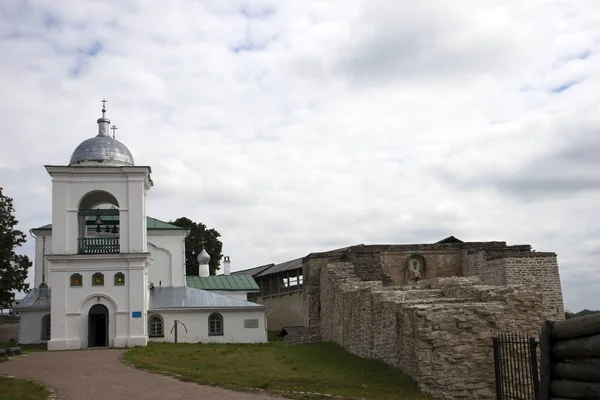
<point>215,325</point>
<point>76,280</point>
<point>156,326</point>
<point>46,327</point>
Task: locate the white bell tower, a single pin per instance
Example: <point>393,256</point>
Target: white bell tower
<point>99,259</point>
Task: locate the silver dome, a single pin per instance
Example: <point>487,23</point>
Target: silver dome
<point>102,149</point>
<point>203,257</point>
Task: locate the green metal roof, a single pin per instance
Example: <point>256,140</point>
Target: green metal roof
<point>151,223</point>
<point>223,282</point>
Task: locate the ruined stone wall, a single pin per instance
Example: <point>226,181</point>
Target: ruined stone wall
<point>312,290</point>
<point>9,331</point>
<point>304,337</point>
<point>541,269</point>
<point>438,263</point>
<point>518,265</point>
<point>286,310</point>
<point>438,331</point>
<point>476,263</point>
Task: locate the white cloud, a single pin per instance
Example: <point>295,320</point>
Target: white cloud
<point>304,126</point>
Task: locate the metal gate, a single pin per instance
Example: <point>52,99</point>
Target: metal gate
<point>516,366</point>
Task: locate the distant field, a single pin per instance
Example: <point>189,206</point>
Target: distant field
<point>318,368</point>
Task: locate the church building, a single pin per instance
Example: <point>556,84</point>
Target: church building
<point>108,275</point>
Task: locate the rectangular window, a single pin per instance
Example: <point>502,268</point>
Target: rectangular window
<point>250,323</point>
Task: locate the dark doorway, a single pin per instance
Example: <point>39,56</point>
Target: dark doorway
<point>98,326</point>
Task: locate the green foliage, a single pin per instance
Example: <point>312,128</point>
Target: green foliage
<point>193,245</point>
<point>21,389</point>
<point>13,267</point>
<point>324,368</point>
<point>581,313</point>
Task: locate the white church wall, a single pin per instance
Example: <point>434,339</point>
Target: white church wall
<point>172,242</point>
<point>30,327</point>
<point>159,273</point>
<point>197,327</point>
<point>39,252</point>
<point>127,188</point>
<point>71,304</point>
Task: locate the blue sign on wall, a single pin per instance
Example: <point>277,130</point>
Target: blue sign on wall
<point>136,314</point>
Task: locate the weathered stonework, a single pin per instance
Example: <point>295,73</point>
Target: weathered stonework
<point>312,335</point>
<point>434,319</point>
<point>494,263</point>
<point>438,331</point>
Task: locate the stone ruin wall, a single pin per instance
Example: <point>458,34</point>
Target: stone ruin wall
<point>516,265</point>
<point>494,263</point>
<point>438,331</point>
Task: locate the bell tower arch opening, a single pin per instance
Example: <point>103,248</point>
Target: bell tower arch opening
<point>98,223</point>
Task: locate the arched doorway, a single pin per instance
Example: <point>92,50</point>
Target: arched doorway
<point>98,326</point>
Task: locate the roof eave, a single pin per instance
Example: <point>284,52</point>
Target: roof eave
<point>27,308</point>
<point>246,308</point>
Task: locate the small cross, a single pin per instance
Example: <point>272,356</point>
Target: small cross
<point>202,242</point>
<point>114,128</point>
<point>103,107</point>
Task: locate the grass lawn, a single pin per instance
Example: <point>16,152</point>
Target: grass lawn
<point>21,389</point>
<point>25,348</point>
<point>319,368</point>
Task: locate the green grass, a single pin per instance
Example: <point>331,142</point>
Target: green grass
<point>25,348</point>
<point>319,368</point>
<point>21,389</point>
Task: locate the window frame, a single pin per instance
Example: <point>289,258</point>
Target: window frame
<point>159,331</point>
<point>72,280</point>
<point>46,330</point>
<point>100,275</point>
<point>219,328</point>
<point>117,276</point>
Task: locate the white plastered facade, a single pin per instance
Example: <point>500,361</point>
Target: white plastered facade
<point>145,258</point>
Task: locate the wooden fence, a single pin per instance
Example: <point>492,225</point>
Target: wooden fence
<point>570,359</point>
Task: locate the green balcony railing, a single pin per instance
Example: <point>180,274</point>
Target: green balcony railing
<point>98,245</point>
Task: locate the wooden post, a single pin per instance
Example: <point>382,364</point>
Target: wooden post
<point>576,390</point>
<point>546,360</point>
<point>577,371</point>
<point>576,327</point>
<point>584,347</point>
<point>176,331</point>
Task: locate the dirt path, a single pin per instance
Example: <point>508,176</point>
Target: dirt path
<point>100,375</point>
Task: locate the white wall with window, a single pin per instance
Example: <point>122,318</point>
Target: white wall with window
<point>212,326</point>
<point>31,327</point>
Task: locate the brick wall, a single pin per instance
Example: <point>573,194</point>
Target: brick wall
<point>541,269</point>
<point>438,263</point>
<point>518,265</point>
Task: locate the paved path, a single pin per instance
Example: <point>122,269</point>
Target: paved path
<point>100,375</point>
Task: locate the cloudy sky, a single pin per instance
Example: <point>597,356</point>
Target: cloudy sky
<point>300,126</point>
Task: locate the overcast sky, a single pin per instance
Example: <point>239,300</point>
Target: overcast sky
<point>300,126</point>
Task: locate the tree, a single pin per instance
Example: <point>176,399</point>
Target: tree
<point>194,245</point>
<point>581,313</point>
<point>13,267</point>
